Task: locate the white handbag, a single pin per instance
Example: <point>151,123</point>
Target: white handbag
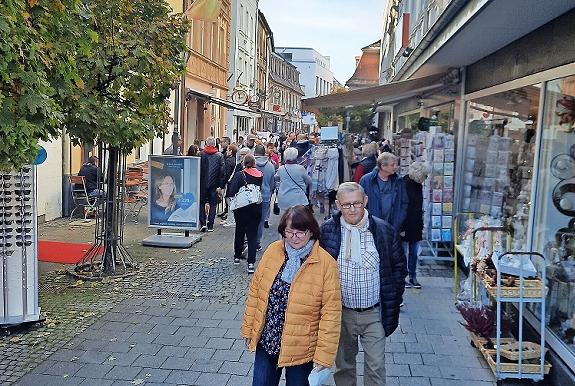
<point>247,195</point>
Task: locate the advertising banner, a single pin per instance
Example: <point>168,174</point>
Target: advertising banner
<point>174,191</point>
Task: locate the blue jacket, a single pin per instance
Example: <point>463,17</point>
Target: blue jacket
<point>264,165</point>
<point>398,212</point>
<point>392,267</point>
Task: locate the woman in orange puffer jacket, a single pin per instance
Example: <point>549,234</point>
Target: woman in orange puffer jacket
<point>293,312</point>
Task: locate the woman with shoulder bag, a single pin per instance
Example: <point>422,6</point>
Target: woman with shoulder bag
<point>293,182</point>
<point>292,318</point>
<point>247,217</point>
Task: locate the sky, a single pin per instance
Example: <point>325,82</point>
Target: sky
<point>335,28</point>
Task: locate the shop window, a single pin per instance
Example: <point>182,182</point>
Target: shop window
<point>498,159</point>
<point>554,219</point>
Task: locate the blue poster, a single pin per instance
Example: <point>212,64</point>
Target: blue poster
<point>173,192</point>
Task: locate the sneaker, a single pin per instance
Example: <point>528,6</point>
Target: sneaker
<point>415,283</point>
<point>230,224</point>
<point>203,228</point>
<point>251,268</point>
<point>210,229</point>
<point>236,261</point>
<point>224,216</point>
<point>407,284</point>
<point>266,224</point>
<point>258,248</point>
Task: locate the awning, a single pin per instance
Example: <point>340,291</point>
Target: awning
<point>384,94</point>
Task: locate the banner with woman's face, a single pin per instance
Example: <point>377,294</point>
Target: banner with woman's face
<point>173,193</point>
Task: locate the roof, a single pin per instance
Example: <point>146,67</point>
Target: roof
<point>384,94</point>
<point>367,71</point>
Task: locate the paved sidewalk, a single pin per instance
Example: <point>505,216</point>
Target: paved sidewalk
<point>178,324</point>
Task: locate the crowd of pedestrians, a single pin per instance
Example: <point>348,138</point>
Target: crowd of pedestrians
<point>320,290</point>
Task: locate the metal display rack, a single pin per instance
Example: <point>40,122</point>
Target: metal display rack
<point>18,248</point>
<point>520,362</point>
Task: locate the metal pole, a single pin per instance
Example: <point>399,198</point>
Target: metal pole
<point>175,134</point>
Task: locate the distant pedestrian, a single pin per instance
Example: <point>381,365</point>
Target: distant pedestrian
<point>264,165</point>
<point>293,181</point>
<point>368,162</point>
<point>293,311</point>
<point>247,218</point>
<point>386,191</point>
<point>212,174</point>
<point>413,225</point>
<point>372,273</point>
<point>229,170</point>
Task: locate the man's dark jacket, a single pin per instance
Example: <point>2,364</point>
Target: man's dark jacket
<point>212,170</point>
<point>397,214</point>
<point>91,175</point>
<point>392,269</point>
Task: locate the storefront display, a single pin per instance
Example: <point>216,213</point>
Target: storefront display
<point>499,156</point>
<point>554,220</point>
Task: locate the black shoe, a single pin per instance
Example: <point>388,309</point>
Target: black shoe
<point>236,261</point>
<point>203,228</point>
<point>407,284</point>
<point>266,224</point>
<point>258,248</point>
<point>251,268</point>
<point>414,283</point>
<point>224,216</point>
<point>210,229</point>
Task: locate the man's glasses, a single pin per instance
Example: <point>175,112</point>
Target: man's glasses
<point>298,234</point>
<point>348,205</point>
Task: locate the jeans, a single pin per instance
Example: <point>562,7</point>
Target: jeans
<point>267,372</point>
<point>247,221</point>
<point>265,216</point>
<point>412,252</point>
<point>208,197</point>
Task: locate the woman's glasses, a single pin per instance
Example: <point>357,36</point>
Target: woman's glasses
<point>298,234</point>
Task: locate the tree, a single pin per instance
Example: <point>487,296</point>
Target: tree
<point>38,70</point>
<point>138,57</point>
<point>361,117</point>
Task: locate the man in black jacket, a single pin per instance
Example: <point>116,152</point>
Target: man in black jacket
<point>92,177</point>
<point>212,177</point>
<point>372,272</point>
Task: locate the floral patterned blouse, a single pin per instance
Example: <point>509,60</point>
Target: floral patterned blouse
<point>275,314</point>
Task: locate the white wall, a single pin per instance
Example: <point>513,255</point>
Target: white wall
<point>49,181</point>
<point>311,64</point>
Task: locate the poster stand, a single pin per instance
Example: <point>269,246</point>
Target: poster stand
<point>173,201</point>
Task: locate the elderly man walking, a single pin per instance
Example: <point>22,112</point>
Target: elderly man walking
<point>264,165</point>
<point>372,272</point>
<point>386,191</point>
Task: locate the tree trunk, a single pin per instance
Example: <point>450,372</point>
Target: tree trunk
<point>110,220</point>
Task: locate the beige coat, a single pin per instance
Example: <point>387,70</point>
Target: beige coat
<point>313,315</point>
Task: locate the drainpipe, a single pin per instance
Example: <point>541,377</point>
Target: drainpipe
<point>445,18</point>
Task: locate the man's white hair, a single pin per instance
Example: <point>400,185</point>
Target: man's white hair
<point>290,154</point>
<point>349,187</point>
<point>245,150</point>
<point>210,141</point>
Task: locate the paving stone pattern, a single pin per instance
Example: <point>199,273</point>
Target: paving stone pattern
<point>177,323</point>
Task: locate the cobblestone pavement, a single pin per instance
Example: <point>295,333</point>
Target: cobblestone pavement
<point>177,322</point>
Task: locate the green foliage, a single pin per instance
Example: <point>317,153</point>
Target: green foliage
<point>138,57</point>
<point>38,39</point>
<point>361,117</point>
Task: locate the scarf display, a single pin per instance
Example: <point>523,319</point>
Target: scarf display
<point>294,257</point>
<point>352,238</point>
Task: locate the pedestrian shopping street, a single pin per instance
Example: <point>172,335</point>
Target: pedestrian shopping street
<point>177,323</point>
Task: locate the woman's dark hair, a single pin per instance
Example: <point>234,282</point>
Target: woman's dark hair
<point>192,151</point>
<point>301,219</point>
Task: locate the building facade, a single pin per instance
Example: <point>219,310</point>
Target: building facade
<point>286,96</point>
<point>265,47</point>
<point>316,76</point>
<point>242,67</point>
<point>206,77</point>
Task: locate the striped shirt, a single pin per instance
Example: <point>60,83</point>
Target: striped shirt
<point>359,283</point>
